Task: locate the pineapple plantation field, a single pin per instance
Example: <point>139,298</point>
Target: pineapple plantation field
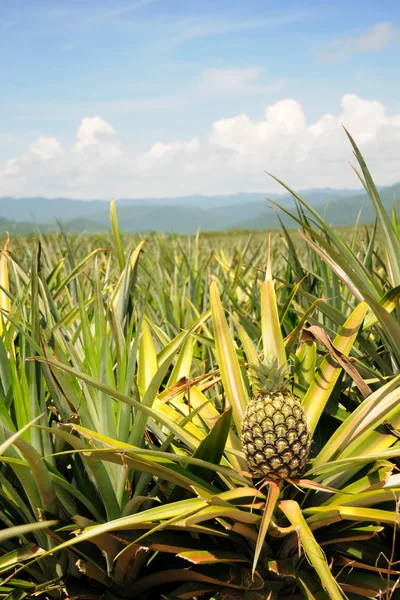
<point>212,417</point>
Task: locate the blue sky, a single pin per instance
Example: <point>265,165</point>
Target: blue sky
<point>159,97</point>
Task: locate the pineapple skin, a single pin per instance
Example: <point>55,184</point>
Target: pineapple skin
<point>275,436</point>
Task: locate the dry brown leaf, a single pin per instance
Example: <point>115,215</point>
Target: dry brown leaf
<point>314,332</point>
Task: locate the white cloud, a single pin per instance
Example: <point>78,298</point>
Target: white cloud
<point>46,148</point>
<point>97,137</point>
<point>232,158</point>
<point>166,153</point>
<point>229,80</point>
<point>12,167</point>
<point>241,134</point>
<point>378,37</point>
<point>235,81</point>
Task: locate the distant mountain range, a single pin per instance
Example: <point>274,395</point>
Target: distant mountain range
<point>185,214</point>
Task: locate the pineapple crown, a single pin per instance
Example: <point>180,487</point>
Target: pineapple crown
<point>269,376</point>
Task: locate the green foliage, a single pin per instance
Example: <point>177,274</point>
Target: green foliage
<point>125,370</point>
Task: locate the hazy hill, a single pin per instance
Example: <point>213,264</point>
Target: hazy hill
<point>343,211</point>
<point>45,210</point>
<point>184,218</point>
<point>184,214</point>
<point>14,227</point>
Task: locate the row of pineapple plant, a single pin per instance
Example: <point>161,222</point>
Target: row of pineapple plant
<point>138,386</point>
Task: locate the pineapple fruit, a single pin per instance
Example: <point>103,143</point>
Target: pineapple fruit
<point>275,433</point>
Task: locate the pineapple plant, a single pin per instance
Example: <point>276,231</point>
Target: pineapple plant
<point>195,525</point>
<point>275,434</point>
